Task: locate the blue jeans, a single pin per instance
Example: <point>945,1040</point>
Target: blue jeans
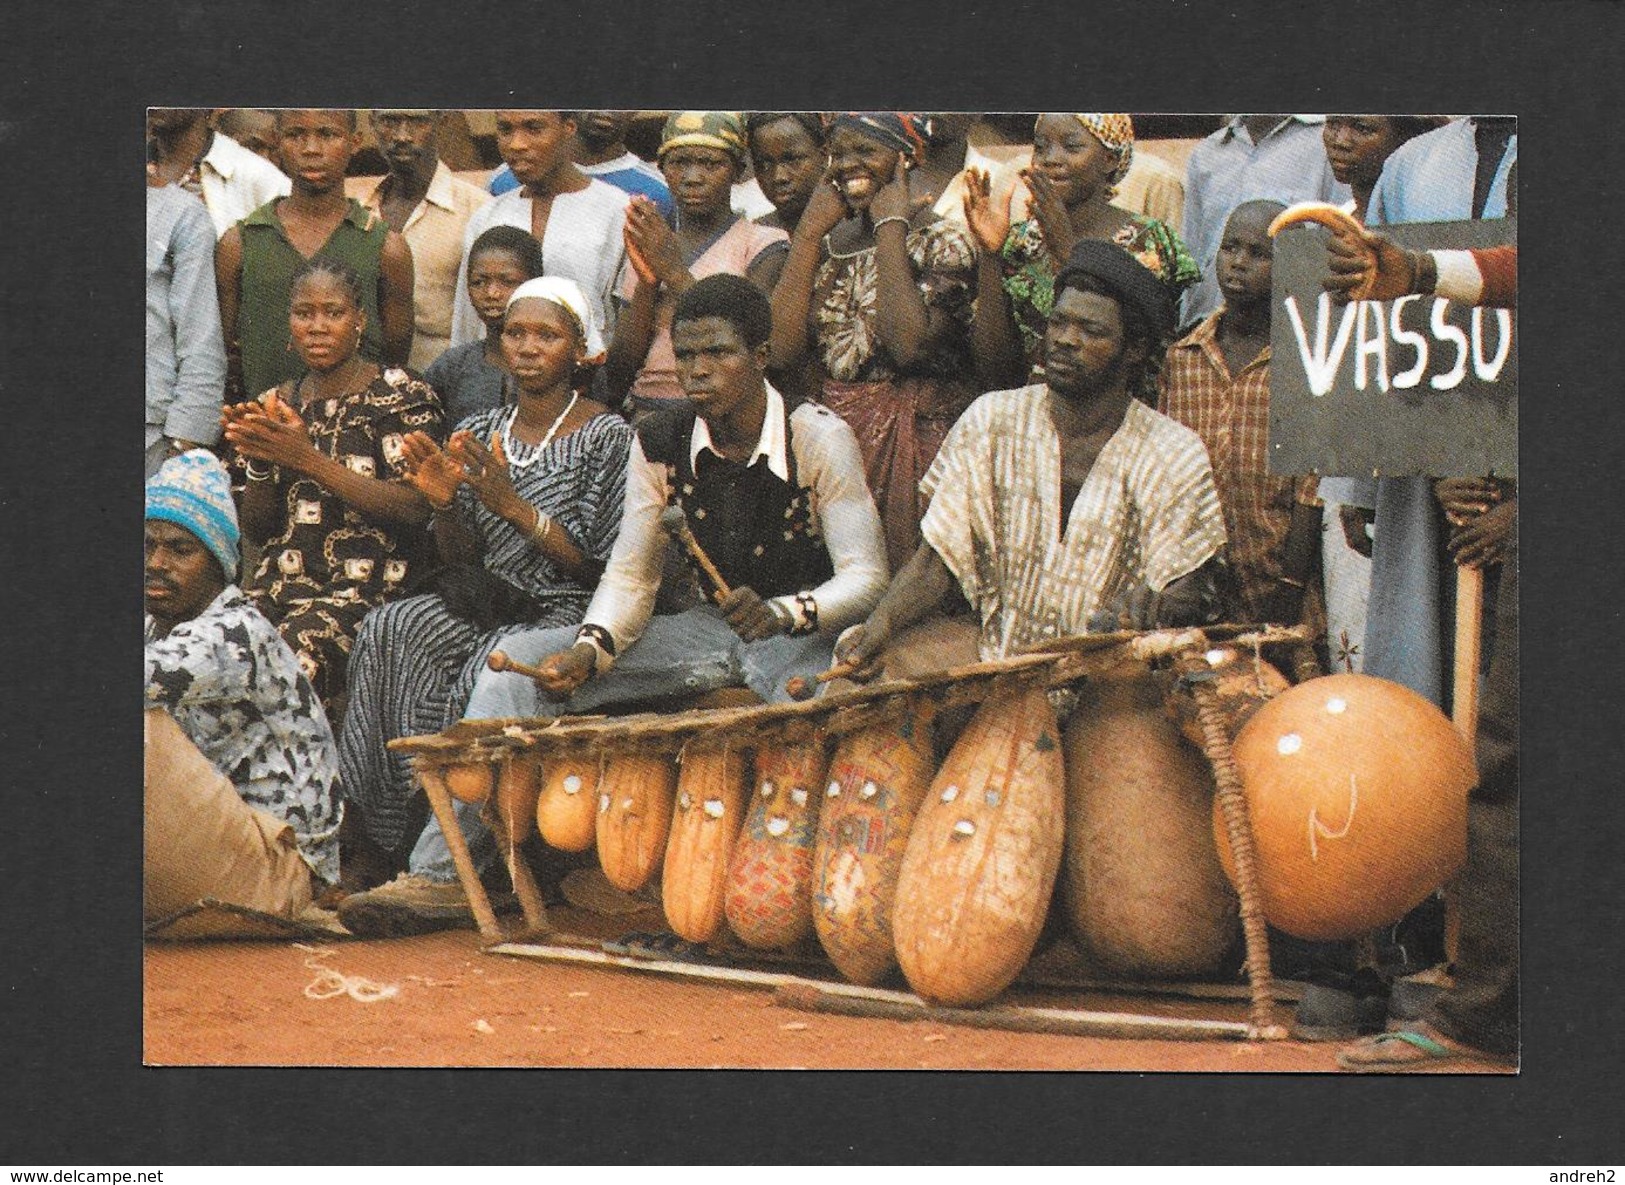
<point>682,654</point>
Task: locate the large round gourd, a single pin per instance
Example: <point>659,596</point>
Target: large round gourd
<point>1357,791</point>
<point>981,861</point>
<point>876,781</point>
<point>768,901</point>
<point>711,789</point>
<point>634,816</point>
<point>1143,890</point>
<point>565,806</point>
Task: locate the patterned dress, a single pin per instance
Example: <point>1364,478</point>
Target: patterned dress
<point>415,660</point>
<point>1029,273</point>
<point>239,696</point>
<point>327,565</point>
<point>900,417</point>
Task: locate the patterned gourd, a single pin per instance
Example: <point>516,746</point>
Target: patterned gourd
<point>875,783</point>
<point>981,862</point>
<point>769,895</point>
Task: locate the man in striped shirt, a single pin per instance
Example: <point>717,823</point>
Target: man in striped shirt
<point>1069,501</point>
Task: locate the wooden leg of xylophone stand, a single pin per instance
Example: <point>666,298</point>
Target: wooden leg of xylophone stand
<point>434,785</point>
<point>1238,829</point>
<point>514,800</point>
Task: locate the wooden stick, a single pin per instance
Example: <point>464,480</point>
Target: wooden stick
<point>1238,828</point>
<point>676,524</point>
<point>499,661</point>
<point>1469,651</point>
<point>800,687</point>
<point>434,785</point>
<point>797,991</point>
<point>1464,705</point>
<point>1122,1026</point>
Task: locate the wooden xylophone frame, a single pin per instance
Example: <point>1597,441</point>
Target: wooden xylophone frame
<point>1059,664</point>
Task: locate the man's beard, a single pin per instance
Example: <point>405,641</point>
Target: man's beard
<point>1088,385</point>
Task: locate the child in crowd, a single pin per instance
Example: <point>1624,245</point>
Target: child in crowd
<point>470,378</point>
<point>1216,382</point>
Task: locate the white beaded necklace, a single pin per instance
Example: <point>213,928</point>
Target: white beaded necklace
<point>516,452</point>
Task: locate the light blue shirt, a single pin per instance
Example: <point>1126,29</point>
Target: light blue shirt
<point>186,352</point>
<point>1427,179</point>
<point>1226,169</point>
<point>1430,179</point>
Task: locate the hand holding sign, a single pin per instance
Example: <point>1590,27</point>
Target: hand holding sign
<point>1364,265</point>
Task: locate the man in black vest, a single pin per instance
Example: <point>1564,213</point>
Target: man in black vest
<point>777,499</point>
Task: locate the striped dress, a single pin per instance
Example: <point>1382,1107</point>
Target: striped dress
<point>1148,512</point>
<point>415,662</point>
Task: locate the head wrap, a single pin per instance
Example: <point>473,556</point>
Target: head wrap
<point>1115,131</point>
<point>722,130</point>
<point>901,131</point>
<point>568,296</point>
<point>193,491</point>
<point>1129,281</point>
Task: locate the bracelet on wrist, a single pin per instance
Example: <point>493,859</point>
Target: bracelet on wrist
<point>254,474</point>
<point>542,529</point>
<point>785,618</point>
<point>880,222</point>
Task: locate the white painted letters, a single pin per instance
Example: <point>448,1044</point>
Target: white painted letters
<point>1447,332</point>
<point>1372,343</point>
<point>1321,364</point>
<point>1490,369</point>
<point>1405,380</point>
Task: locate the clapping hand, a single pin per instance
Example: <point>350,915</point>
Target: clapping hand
<point>430,470</point>
<point>987,214</point>
<point>1049,209</point>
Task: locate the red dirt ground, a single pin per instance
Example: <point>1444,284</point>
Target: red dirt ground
<point>244,1003</point>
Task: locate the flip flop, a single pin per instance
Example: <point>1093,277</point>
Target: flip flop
<point>1397,1052</point>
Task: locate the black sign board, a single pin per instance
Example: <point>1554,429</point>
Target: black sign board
<point>1417,385</point>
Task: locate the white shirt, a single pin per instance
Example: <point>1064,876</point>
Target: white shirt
<point>582,242</point>
<point>828,464</point>
<point>236,182</point>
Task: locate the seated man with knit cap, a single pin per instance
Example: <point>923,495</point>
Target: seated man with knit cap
<point>241,767</point>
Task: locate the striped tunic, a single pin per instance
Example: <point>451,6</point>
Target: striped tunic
<point>415,661</point>
<point>1148,512</point>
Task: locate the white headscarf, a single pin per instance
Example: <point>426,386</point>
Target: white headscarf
<point>567,295</point>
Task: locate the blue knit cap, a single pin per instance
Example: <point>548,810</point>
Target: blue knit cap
<point>193,491</point>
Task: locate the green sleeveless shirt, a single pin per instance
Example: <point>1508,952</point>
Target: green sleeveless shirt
<point>269,262</point>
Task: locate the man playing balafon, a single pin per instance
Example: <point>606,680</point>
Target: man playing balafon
<point>1060,505</point>
<point>777,500</point>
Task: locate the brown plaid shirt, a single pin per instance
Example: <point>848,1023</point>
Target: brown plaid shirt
<point>1232,416</point>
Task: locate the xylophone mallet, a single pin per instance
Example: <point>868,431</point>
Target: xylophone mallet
<point>800,687</point>
<point>499,661</point>
<point>675,523</point>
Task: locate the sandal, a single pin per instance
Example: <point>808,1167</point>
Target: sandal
<point>1408,1049</point>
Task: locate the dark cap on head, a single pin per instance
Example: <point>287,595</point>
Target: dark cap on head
<point>1132,283</point>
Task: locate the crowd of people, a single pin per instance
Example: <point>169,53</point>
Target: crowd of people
<point>918,401</point>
